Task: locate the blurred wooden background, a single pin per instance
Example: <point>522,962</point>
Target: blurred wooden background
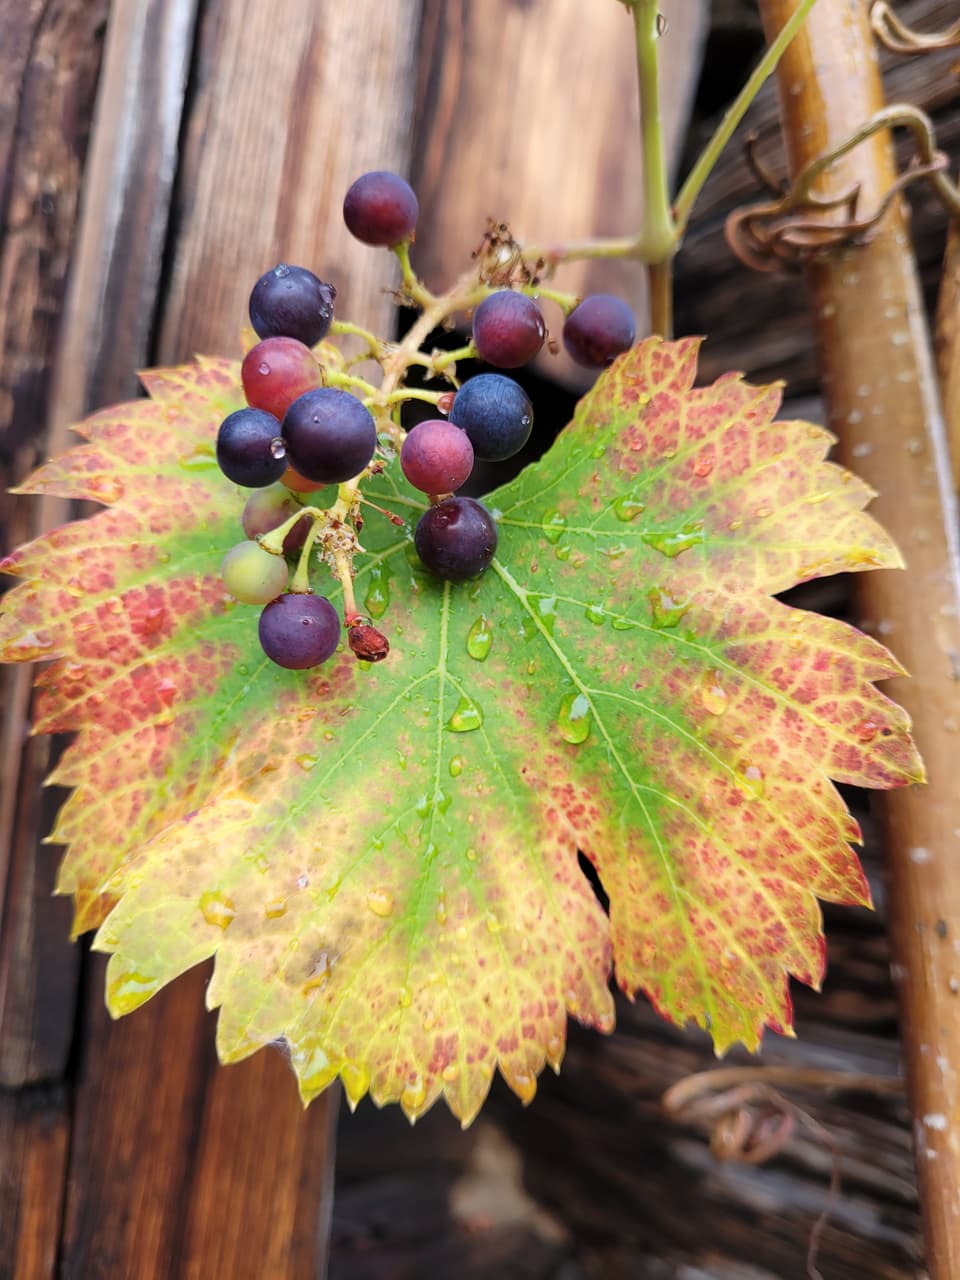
<point>157,155</point>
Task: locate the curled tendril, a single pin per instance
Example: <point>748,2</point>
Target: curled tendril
<point>895,35</point>
<point>800,224</point>
<point>750,1122</point>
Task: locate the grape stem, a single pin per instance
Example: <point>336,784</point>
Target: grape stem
<point>301,579</point>
<point>413,286</point>
<point>343,564</point>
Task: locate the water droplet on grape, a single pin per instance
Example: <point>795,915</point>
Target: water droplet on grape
<point>479,639</point>
<point>672,544</point>
<point>377,599</point>
<point>553,524</point>
<point>456,766</point>
<point>281,270</point>
<point>662,25</point>
<point>712,694</point>
<point>216,909</point>
<point>263,368</point>
<point>380,902</point>
<point>573,718</point>
<point>278,448</point>
<point>467,716</point>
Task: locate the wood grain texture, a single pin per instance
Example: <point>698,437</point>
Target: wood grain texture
<point>34,1138</point>
<point>284,118</point>
<point>528,113</point>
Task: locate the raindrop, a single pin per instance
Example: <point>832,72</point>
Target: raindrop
<point>553,524</point>
<point>467,716</point>
<point>573,718</point>
<point>275,908</point>
<point>662,25</point>
<point>356,1082</point>
<point>479,639</point>
<point>492,921</point>
<point>547,611</point>
<point>306,762</point>
<point>404,998</point>
<point>380,902</point>
<point>752,777</point>
<point>672,544</point>
<point>277,447</point>
<point>377,598</point>
<point>703,468</point>
<point>456,766</point>
<point>450,1073</point>
<point>442,908</point>
<point>594,613</point>
<point>128,991</point>
<point>414,1095</point>
<point>216,909</point>
<point>203,458</point>
<point>712,694</point>
<point>665,610</point>
<point>628,508</point>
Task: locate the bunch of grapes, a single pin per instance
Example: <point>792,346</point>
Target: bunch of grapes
<point>302,431</point>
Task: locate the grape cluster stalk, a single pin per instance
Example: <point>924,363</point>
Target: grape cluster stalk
<point>310,422</point>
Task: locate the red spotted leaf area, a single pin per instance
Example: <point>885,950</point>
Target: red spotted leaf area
<point>382,858</point>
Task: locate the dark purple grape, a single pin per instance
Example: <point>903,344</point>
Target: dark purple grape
<point>249,449</point>
<point>598,330</point>
<point>291,302</point>
<point>436,456</point>
<point>496,414</point>
<point>299,630</point>
<point>508,329</point>
<point>457,539</point>
<point>270,507</point>
<point>330,436</point>
<point>381,209</point>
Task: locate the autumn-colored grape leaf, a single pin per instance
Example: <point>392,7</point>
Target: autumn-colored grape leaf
<point>383,859</point>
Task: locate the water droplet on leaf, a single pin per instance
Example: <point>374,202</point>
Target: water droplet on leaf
<point>380,902</point>
<point>377,599</point>
<point>712,694</point>
<point>672,544</point>
<point>217,909</point>
<point>573,718</point>
<point>752,778</point>
<point>553,525</point>
<point>456,766</point>
<point>665,610</point>
<point>479,639</point>
<point>467,717</point>
<point>628,508</point>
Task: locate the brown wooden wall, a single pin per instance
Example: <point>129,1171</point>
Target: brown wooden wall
<point>157,155</point>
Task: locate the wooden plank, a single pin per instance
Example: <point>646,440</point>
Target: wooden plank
<point>528,113</point>
<point>180,1167</point>
<point>278,131</point>
<point>49,59</point>
<point>34,1136</point>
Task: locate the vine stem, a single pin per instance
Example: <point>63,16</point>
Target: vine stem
<point>698,175</point>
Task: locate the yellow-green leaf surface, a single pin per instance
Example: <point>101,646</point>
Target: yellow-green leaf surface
<point>383,859</point>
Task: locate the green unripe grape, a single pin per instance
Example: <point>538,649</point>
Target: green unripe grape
<point>253,575</point>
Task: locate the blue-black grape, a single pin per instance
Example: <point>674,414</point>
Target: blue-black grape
<point>299,630</point>
<point>456,539</point>
<point>496,414</point>
<point>330,436</point>
<point>508,329</point>
<point>381,209</point>
<point>291,302</point>
<point>249,449</point>
<point>436,456</point>
<point>598,330</point>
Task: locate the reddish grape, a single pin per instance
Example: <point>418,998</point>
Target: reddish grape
<point>330,436</point>
<point>291,302</point>
<point>598,330</point>
<point>268,508</point>
<point>249,449</point>
<point>508,329</point>
<point>298,630</point>
<point>276,372</point>
<point>436,456</point>
<point>294,481</point>
<point>456,539</point>
<point>496,414</point>
<point>381,209</point>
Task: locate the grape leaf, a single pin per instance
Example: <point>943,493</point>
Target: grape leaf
<point>383,859</point>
